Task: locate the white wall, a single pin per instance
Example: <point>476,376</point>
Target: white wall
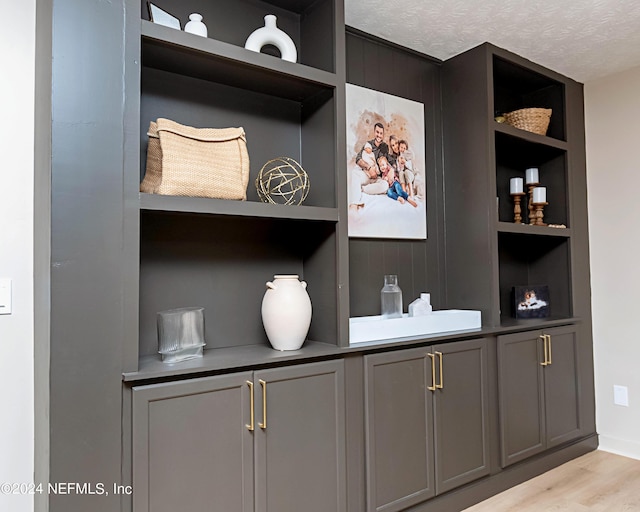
<point>612,109</point>
<point>17,54</point>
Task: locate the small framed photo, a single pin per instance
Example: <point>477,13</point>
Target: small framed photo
<point>531,301</point>
<point>161,17</point>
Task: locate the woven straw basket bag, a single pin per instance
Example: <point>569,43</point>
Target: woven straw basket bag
<point>196,162</point>
<point>534,120</point>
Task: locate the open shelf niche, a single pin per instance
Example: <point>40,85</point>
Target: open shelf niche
<point>513,156</point>
<point>305,21</point>
<point>222,263</point>
<point>534,260</point>
<point>516,86</point>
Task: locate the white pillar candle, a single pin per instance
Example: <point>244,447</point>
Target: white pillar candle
<point>540,195</point>
<point>515,186</point>
<point>531,175</point>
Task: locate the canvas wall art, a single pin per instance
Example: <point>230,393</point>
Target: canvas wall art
<point>385,165</point>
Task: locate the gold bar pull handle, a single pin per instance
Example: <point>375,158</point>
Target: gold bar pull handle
<point>543,337</point>
<point>433,373</point>
<point>549,348</point>
<point>251,424</point>
<point>263,424</point>
<point>441,385</point>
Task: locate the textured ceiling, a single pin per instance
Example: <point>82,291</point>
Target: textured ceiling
<point>582,39</point>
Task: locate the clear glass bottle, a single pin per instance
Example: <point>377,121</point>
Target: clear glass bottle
<point>391,298</point>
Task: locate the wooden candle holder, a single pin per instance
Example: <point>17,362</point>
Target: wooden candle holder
<point>539,215</point>
<point>517,210</point>
<point>532,210</point>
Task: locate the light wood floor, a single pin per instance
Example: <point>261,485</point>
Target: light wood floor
<point>599,481</point>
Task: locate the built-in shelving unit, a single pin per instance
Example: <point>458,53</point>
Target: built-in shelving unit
<point>219,254</point>
<point>119,256</point>
<point>489,82</point>
<point>531,257</point>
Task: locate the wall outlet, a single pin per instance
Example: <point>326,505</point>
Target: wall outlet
<point>621,395</point>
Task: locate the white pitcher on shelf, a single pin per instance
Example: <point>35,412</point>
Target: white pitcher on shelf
<point>286,312</point>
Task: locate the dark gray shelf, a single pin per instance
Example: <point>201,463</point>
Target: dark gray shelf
<point>530,136</point>
<point>151,202</point>
<point>514,324</point>
<point>227,359</point>
<point>527,229</point>
<point>186,54</point>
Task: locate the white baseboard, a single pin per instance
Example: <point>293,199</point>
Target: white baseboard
<point>619,446</point>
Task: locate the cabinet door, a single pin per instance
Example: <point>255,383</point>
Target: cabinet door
<point>520,381</point>
<point>300,454</point>
<point>192,450</point>
<point>461,414</point>
<point>399,429</point>
<point>562,387</point>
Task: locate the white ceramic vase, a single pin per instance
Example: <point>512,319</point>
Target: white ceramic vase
<point>286,312</point>
<point>196,26</point>
<point>271,34</point>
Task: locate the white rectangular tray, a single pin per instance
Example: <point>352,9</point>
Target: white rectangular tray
<point>373,328</point>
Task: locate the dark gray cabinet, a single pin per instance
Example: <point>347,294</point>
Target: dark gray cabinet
<point>191,447</point>
<point>264,441</point>
<point>300,455</point>
<point>399,429</point>
<point>426,422</point>
<point>539,391</point>
<point>461,413</point>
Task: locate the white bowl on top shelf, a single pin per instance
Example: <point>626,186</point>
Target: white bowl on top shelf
<point>374,328</point>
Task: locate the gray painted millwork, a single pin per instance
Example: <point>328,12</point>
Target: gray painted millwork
<point>42,247</point>
<point>87,251</point>
<point>426,422</point>
<point>540,405</point>
<point>462,410</point>
<point>418,263</point>
<point>348,427</point>
<point>399,430</point>
<point>285,110</point>
<point>198,443</point>
<point>190,445</point>
<point>300,455</point>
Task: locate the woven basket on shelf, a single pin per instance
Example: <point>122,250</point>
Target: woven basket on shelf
<point>196,162</point>
<point>534,120</point>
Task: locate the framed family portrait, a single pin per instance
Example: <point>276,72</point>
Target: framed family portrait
<point>531,301</point>
<point>385,165</point>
